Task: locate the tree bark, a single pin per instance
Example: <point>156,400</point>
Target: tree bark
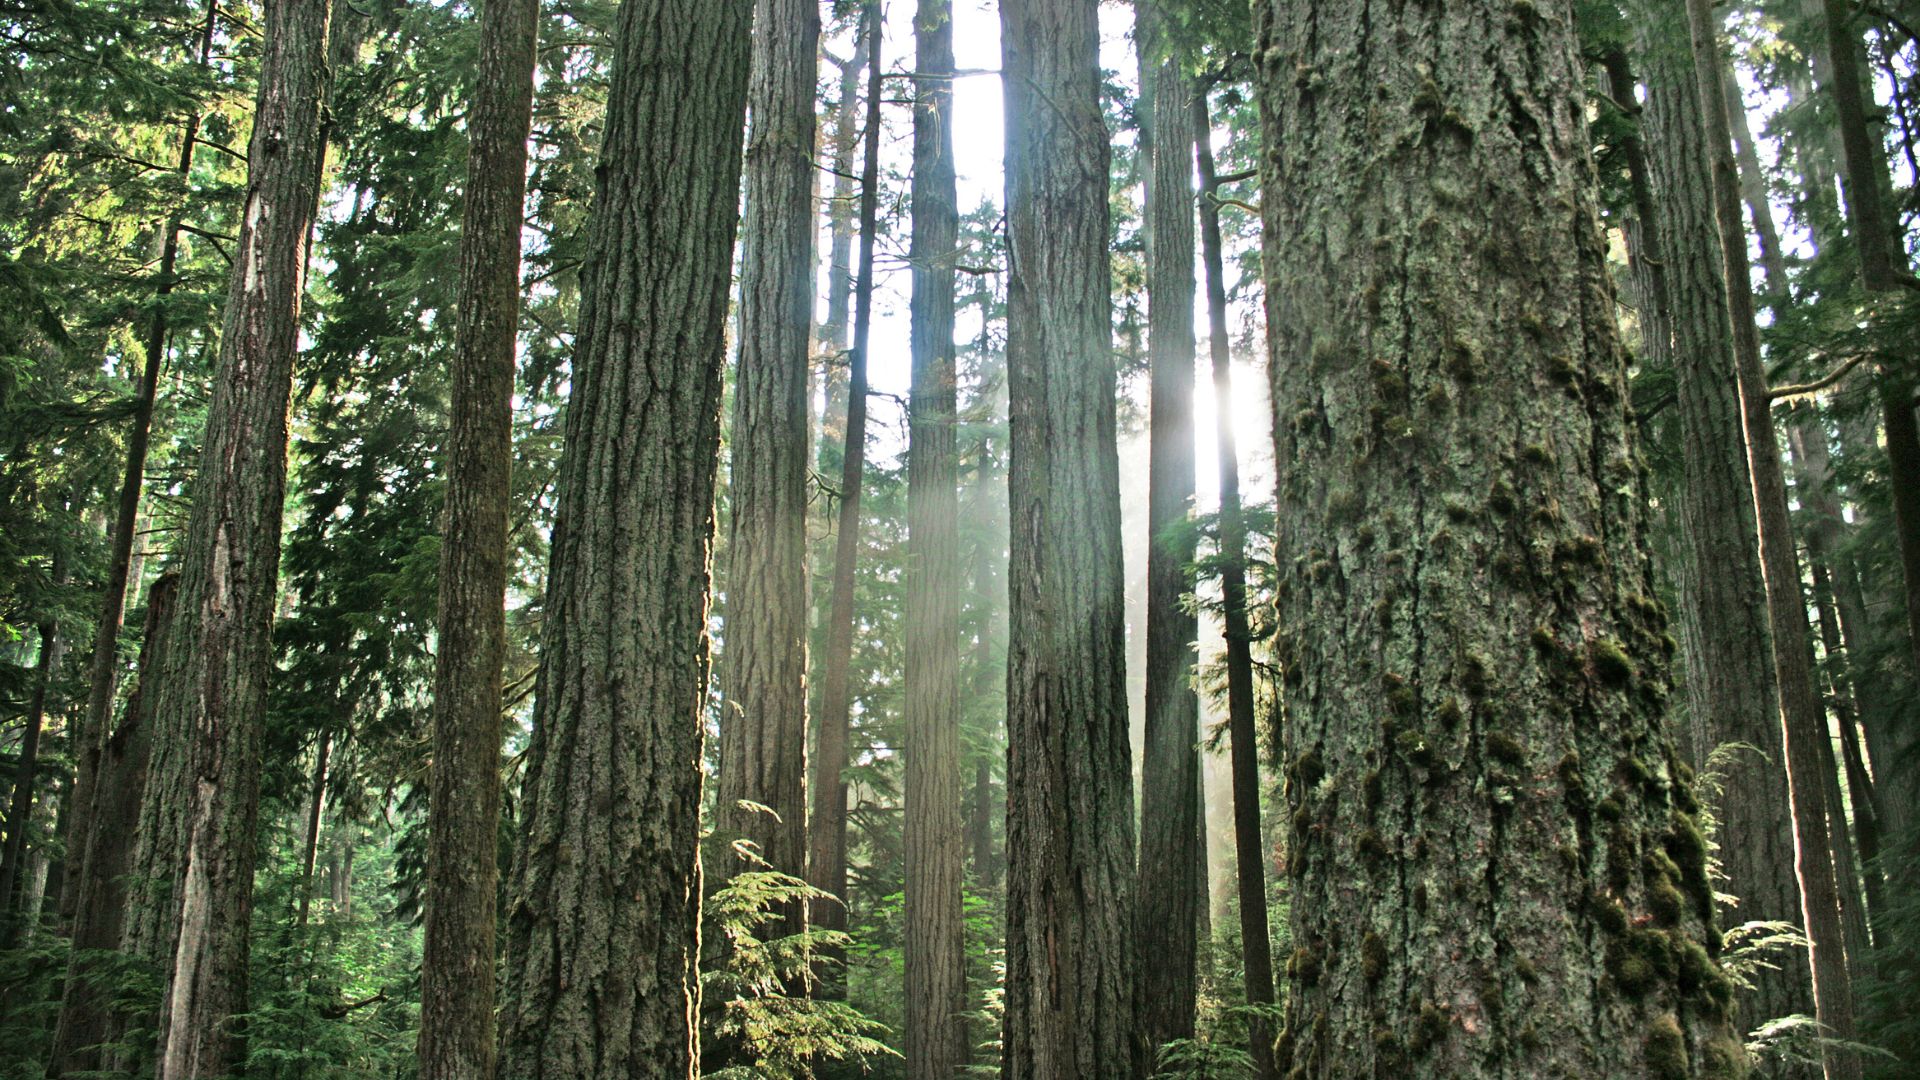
<point>456,1039</point>
<point>763,725</point>
<point>936,960</point>
<point>1070,840</point>
<point>1815,836</point>
<point>827,839</point>
<point>1497,871</point>
<point>1249,838</point>
<point>87,1018</point>
<point>198,817</point>
<point>1166,920</point>
<point>1733,695</point>
<point>603,922</point>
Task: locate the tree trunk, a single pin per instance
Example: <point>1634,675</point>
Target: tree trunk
<point>198,818</point>
<point>14,930</point>
<point>316,801</point>
<point>842,214</point>
<point>1805,720</point>
<point>936,959</point>
<point>603,922</point>
<point>97,721</point>
<point>456,1039</point>
<point>1475,746</point>
<point>1732,692</point>
<point>1249,843</point>
<point>1165,922</point>
<point>827,838</point>
<point>1070,840</point>
<point>763,723</point>
<point>87,1018</point>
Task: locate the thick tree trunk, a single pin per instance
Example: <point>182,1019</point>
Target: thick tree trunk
<point>456,1040</point>
<point>86,1018</point>
<point>1733,695</point>
<point>1806,733</point>
<point>603,922</point>
<point>122,572</point>
<point>1070,841</point>
<point>936,960</point>
<point>827,836</point>
<point>1165,922</point>
<point>1497,871</point>
<point>198,818</point>
<point>1249,838</point>
<point>763,722</point>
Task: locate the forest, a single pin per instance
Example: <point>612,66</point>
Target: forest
<point>928,539</point>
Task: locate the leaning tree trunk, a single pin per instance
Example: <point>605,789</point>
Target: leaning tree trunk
<point>1497,869</point>
<point>1732,693</point>
<point>1249,839</point>
<point>87,1019</point>
<point>1070,849</point>
<point>763,723</point>
<point>1166,919</point>
<point>936,959</point>
<point>1806,734</point>
<point>827,837</point>
<point>456,1039</point>
<point>603,919</point>
<point>198,817</point>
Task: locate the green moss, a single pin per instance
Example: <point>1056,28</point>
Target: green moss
<point>1463,360</point>
<point>1504,747</point>
<point>1429,1028</point>
<point>1303,967</point>
<point>1610,662</point>
<point>1500,498</point>
<point>1545,642</point>
<point>1413,746</point>
<point>1561,369</point>
<point>1437,398</point>
<point>1611,916</point>
<point>1569,772</point>
<point>1370,847</point>
<point>1403,701</point>
<point>1373,957</point>
<point>1665,901</point>
<point>1372,789</point>
<point>1723,1058</point>
<point>1301,821</point>
<point>1667,1050</point>
<point>1342,507</point>
<point>1581,551</point>
<point>1473,674</point>
<point>1635,771</point>
<point>1623,852</point>
<point>1524,968</point>
<point>1450,713</point>
<point>1308,769</point>
<point>1703,979</point>
<point>1420,898</point>
<point>1608,809</point>
<point>1388,382</point>
<point>1537,454</point>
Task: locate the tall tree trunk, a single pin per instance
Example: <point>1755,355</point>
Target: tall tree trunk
<point>97,722</point>
<point>827,837</point>
<point>603,922</point>
<point>456,1039</point>
<point>13,930</point>
<point>1475,746</point>
<point>1256,942</point>
<point>1070,840</point>
<point>763,725</point>
<point>1643,234</point>
<point>842,215</point>
<point>87,1018</point>
<point>1732,691</point>
<point>936,959</point>
<point>1166,920</point>
<point>1806,733</point>
<point>316,803</point>
<point>198,817</point>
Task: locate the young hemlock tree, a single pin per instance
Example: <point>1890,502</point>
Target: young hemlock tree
<point>934,843</point>
<point>1166,921</point>
<point>603,918</point>
<point>194,859</point>
<point>1495,861</point>
<point>763,723</point>
<point>1732,694</point>
<point>463,842</point>
<point>1070,849</point>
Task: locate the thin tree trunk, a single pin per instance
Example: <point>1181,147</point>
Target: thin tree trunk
<point>97,721</point>
<point>936,959</point>
<point>456,1039</point>
<point>198,818</point>
<point>842,216</point>
<point>13,931</point>
<point>1165,922</point>
<point>763,724</point>
<point>87,1018</point>
<point>1732,689</point>
<point>1643,239</point>
<point>316,798</point>
<point>1256,941</point>
<point>1475,744</point>
<point>827,839</point>
<point>1070,827</point>
<point>1805,720</point>
<point>603,922</point>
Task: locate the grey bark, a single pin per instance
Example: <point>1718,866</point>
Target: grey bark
<point>1496,867</point>
<point>602,922</point>
<point>456,1039</point>
<point>1070,841</point>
